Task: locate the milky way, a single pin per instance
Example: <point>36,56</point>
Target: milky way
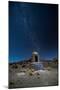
<point>32,27</point>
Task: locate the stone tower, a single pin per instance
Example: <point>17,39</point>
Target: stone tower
<point>35,57</point>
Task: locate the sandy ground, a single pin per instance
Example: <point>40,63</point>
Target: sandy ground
<point>44,78</point>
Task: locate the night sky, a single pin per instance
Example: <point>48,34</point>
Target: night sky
<point>32,27</point>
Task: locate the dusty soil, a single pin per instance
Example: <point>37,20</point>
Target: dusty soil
<point>18,79</point>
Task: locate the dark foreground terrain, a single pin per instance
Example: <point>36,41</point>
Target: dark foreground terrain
<point>21,77</point>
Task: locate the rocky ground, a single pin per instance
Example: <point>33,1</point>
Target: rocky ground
<point>21,77</point>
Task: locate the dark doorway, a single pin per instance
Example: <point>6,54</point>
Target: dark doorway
<point>36,58</point>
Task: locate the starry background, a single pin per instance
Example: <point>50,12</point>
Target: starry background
<point>32,27</point>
